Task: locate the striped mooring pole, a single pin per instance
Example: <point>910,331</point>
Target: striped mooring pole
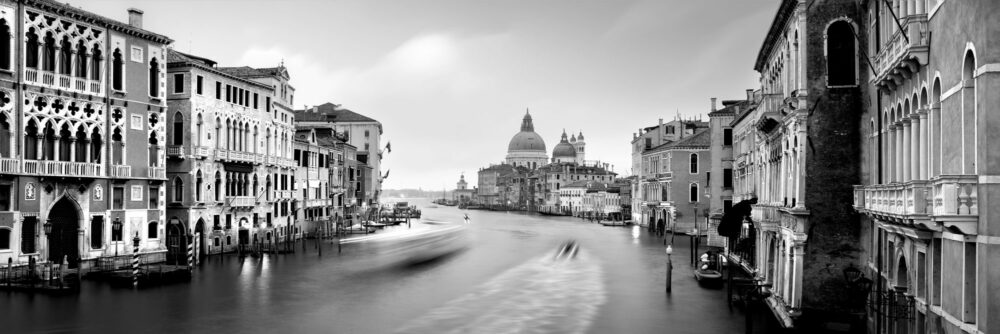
<point>197,248</point>
<point>190,261</point>
<point>135,261</point>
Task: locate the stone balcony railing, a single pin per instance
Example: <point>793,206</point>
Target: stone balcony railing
<point>120,171</point>
<point>201,151</point>
<point>317,202</point>
<point>952,200</point>
<point>176,151</point>
<point>63,168</point>
<point>241,201</point>
<point>221,154</point>
<point>61,81</point>
<point>900,53</point>
<point>271,160</point>
<point>10,165</point>
<point>159,173</point>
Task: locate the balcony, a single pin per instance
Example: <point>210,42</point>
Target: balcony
<point>902,56</point>
<point>80,84</point>
<point>10,166</point>
<point>63,168</point>
<point>270,160</point>
<point>201,151</point>
<point>175,151</point>
<point>896,200</point>
<point>241,201</point>
<point>120,171</point>
<point>48,78</point>
<point>159,173</point>
<point>317,203</point>
<point>221,154</point>
<point>956,202</point>
<point>96,87</point>
<point>666,175</point>
<point>64,81</point>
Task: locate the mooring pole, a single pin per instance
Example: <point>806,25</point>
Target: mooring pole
<point>670,267</point>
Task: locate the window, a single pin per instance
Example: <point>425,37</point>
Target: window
<point>95,65</point>
<point>178,83</point>
<point>154,197</point>
<point>151,230</point>
<point>649,143</point>
<point>81,59</point>
<point>136,193</point>
<point>4,238</point>
<point>199,182</point>
<point>28,228</point>
<point>199,80</point>
<point>727,137</point>
<point>118,198</point>
<point>178,129</point>
<point>229,93</point>
<point>49,52</point>
<point>255,100</point>
<point>669,129</point>
<point>366,133</point>
<point>841,69</point>
<point>218,90</point>
<point>97,232</point>
<point>727,178</point>
<point>5,200</point>
<point>694,163</point>
<point>693,193</point>
<point>267,103</point>
<point>31,58</point>
<point>178,189</point>
<point>117,70</point>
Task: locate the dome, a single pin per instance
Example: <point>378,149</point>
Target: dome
<point>564,149</point>
<point>527,139</point>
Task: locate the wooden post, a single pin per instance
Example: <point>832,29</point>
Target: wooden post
<point>670,268</point>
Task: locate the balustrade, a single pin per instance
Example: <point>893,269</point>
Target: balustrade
<point>9,165</point>
<point>48,78</point>
<point>956,195</point>
<point>62,168</point>
<point>241,201</point>
<point>175,151</point>
<point>159,173</point>
<point>30,75</point>
<point>202,151</point>
<point>121,171</point>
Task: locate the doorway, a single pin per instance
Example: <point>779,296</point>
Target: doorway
<point>63,239</point>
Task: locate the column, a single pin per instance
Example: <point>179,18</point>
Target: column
<point>905,148</point>
<point>89,147</point>
<point>915,147</point>
<point>797,252</point>
<point>924,148</point>
<point>800,172</point>
<point>898,161</point>
<point>56,148</point>
<point>890,155</point>
<point>72,149</point>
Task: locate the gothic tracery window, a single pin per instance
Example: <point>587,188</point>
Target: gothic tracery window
<point>117,70</point>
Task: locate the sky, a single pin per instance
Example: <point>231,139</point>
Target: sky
<point>450,80</point>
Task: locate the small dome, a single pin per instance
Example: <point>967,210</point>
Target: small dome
<point>527,139</point>
<point>564,149</point>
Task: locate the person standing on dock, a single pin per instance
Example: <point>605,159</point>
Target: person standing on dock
<point>466,218</point>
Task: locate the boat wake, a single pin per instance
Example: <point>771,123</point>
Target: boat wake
<point>557,293</point>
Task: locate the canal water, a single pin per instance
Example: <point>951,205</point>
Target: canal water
<point>505,278</point>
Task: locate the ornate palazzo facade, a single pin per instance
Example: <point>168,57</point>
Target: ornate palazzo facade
<point>84,174</point>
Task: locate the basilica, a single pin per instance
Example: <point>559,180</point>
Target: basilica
<point>527,148</point>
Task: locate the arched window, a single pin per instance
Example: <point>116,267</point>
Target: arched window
<point>49,53</point>
<point>81,60</point>
<point>693,192</point>
<point>152,229</point>
<point>95,65</point>
<point>81,145</point>
<point>154,150</point>
<point>49,143</point>
<point>178,190</point>
<point>198,132</point>
<point>65,141</point>
<point>5,136</point>
<point>218,186</point>
<point>5,42</point>
<point>31,140</point>
<point>154,78</point>
<point>31,50</point>
<point>218,133</point>
<point>96,144</point>
<point>179,129</point>
<point>65,56</point>
<point>694,163</point>
<point>841,60</point>
<point>117,70</point>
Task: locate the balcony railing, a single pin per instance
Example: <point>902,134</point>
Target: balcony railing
<point>96,87</point>
<point>312,203</point>
<point>9,165</point>
<point>30,75</point>
<point>80,84</point>
<point>201,151</point>
<point>899,50</point>
<point>896,199</point>
<point>271,160</point>
<point>221,154</point>
<point>956,195</point>
<point>260,158</point>
<point>48,78</point>
<point>175,151</point>
<point>64,81</point>
<point>159,173</point>
<point>241,201</point>
<point>121,171</point>
<point>63,168</point>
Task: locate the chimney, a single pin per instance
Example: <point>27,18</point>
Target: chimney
<point>713,104</point>
<point>749,94</point>
<point>135,17</point>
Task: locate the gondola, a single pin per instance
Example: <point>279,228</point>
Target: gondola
<point>709,272</point>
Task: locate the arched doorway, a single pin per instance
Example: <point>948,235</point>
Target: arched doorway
<point>199,229</point>
<point>176,242</point>
<point>63,239</point>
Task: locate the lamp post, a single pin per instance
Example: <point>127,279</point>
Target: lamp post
<point>694,236</point>
<point>48,233</point>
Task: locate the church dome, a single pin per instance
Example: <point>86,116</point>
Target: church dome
<point>564,149</point>
<point>527,139</point>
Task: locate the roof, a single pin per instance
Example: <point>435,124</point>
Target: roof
<point>329,112</point>
<point>92,18</point>
<point>700,139</point>
<point>250,72</point>
<point>176,59</point>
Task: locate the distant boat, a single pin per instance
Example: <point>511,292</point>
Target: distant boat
<point>709,273</point>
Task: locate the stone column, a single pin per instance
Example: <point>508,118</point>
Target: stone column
<point>72,149</point>
<point>798,250</point>
<point>88,147</point>
<point>800,170</point>
<point>915,155</point>
<point>905,148</point>
<point>935,140</point>
<point>890,154</point>
<point>898,162</point>
<point>56,148</point>
<point>924,148</point>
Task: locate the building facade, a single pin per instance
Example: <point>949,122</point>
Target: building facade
<point>228,159</point>
<point>526,148</point>
<point>362,132</point>
<point>317,213</point>
<point>462,194</point>
<point>85,173</point>
<point>646,191</point>
<point>929,234</point>
<point>720,180</point>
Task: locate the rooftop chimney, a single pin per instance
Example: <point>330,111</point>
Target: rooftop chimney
<point>713,104</point>
<point>749,94</point>
<point>135,17</point>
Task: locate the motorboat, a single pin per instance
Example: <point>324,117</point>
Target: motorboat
<point>709,272</point>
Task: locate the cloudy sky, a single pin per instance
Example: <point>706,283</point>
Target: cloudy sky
<point>450,79</point>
